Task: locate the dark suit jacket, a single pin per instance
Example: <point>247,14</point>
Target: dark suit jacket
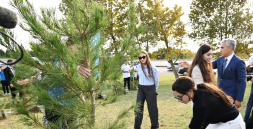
<point>8,75</point>
<point>233,81</point>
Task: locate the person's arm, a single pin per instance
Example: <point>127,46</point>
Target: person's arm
<point>156,76</point>
<point>83,71</point>
<point>241,75</point>
<point>215,64</point>
<point>184,64</point>
<point>122,69</point>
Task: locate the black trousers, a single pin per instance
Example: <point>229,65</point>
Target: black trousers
<point>149,94</point>
<point>13,92</point>
<point>127,81</point>
<point>5,87</point>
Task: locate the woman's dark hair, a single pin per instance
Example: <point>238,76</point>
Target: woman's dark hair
<point>205,67</point>
<point>184,84</point>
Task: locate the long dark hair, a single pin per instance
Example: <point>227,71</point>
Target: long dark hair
<point>205,67</point>
<point>184,84</point>
<point>148,63</point>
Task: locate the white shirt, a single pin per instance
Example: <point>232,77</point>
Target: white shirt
<point>197,75</point>
<point>250,61</point>
<point>229,59</point>
<point>126,68</point>
<point>143,80</point>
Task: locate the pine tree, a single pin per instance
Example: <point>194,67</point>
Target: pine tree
<point>84,22</point>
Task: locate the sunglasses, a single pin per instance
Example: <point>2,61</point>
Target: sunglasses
<point>179,97</point>
<point>142,57</point>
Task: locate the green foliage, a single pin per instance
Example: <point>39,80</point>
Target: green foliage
<point>83,20</point>
<point>215,20</point>
<point>168,27</point>
<point>162,54</point>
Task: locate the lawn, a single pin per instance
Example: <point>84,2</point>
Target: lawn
<point>172,114</point>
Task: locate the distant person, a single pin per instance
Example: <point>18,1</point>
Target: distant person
<point>3,82</point>
<point>125,68</point>
<point>133,74</point>
<point>9,74</point>
<point>248,67</point>
<point>148,84</point>
<point>201,69</point>
<point>247,118</point>
<point>249,121</point>
<point>133,71</point>
<point>231,71</point>
<point>211,105</point>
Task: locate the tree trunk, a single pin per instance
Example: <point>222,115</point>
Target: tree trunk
<point>93,106</point>
<point>173,69</point>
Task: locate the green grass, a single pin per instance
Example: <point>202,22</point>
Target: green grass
<point>172,114</point>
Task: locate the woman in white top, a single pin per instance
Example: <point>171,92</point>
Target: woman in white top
<point>148,83</point>
<point>201,69</point>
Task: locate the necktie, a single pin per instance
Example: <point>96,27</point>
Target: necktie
<point>224,65</point>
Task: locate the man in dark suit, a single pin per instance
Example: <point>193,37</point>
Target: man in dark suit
<point>9,74</point>
<point>231,72</point>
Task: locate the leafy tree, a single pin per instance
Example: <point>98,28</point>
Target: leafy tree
<point>83,21</point>
<point>171,29</point>
<point>215,20</point>
<point>147,25</point>
<point>161,54</point>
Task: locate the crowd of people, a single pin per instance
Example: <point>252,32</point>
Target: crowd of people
<point>214,104</point>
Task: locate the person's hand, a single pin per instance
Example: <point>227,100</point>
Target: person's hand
<point>237,103</point>
<point>85,72</point>
<point>11,86</point>
<point>251,78</point>
<point>184,64</point>
<point>23,82</point>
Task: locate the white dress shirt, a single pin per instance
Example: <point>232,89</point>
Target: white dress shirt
<point>229,59</point>
<point>143,80</point>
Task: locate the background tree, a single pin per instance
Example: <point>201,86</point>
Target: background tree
<point>83,21</point>
<point>215,20</point>
<point>170,29</point>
